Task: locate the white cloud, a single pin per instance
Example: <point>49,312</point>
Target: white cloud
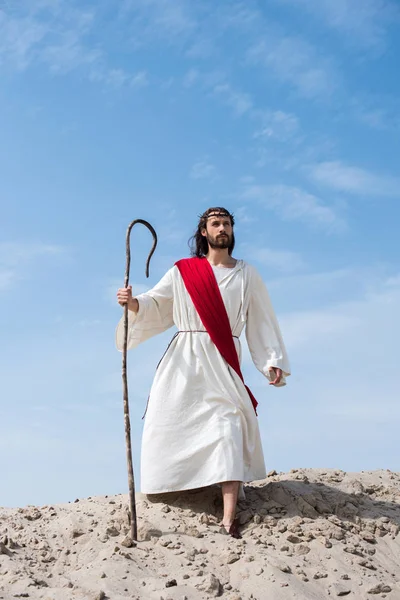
<point>16,257</point>
<point>7,278</point>
<point>278,125</point>
<point>52,33</point>
<point>316,325</point>
<point>117,78</point>
<point>377,118</point>
<point>191,77</point>
<point>201,48</point>
<point>196,28</point>
<point>315,280</point>
<point>363,321</point>
<point>216,84</point>
<point>66,49</point>
<point>173,18</point>
<point>15,253</point>
<point>292,203</point>
<point>364,21</point>
<point>394,281</point>
<point>60,36</point>
<point>242,214</point>
<point>280,260</point>
<point>239,15</point>
<point>202,170</point>
<point>18,39</point>
<point>139,80</point>
<point>206,80</point>
<point>296,62</point>
<point>154,20</point>
<point>376,110</point>
<point>240,102</point>
<point>355,180</point>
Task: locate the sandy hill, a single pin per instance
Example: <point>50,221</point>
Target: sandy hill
<point>308,534</point>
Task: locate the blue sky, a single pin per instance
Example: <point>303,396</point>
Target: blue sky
<point>284,111</point>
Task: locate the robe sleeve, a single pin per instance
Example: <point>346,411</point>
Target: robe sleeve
<point>155,314</point>
<point>263,334</point>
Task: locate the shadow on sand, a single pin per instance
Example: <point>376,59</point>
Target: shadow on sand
<point>288,498</point>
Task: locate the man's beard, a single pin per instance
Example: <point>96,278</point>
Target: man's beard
<point>219,242</point>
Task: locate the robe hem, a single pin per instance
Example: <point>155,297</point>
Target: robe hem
<point>203,485</point>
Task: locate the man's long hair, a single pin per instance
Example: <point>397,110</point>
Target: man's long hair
<point>198,243</point>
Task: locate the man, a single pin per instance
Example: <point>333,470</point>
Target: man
<point>201,426</point>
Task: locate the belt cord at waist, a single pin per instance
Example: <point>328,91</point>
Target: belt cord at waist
<point>199,331</point>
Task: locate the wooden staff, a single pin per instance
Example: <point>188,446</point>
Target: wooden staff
<point>131,480</point>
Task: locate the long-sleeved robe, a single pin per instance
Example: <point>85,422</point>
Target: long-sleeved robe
<point>200,426</point>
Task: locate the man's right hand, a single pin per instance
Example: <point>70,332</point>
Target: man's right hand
<point>124,296</point>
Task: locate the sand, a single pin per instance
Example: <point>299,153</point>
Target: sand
<point>308,534</point>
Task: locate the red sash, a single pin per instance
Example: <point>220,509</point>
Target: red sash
<point>202,287</point>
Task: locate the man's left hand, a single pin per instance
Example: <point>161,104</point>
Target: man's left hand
<point>276,375</point>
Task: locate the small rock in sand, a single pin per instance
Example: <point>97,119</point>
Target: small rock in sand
<point>4,550</point>
<point>127,542</point>
<point>380,588</point>
<point>340,589</point>
<point>232,558</point>
<point>282,567</point>
<point>212,585</point>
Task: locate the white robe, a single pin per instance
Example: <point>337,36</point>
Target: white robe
<point>200,426</point>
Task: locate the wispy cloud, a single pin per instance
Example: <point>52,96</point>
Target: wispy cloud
<point>191,77</point>
<point>295,204</point>
<point>279,260</point>
<point>201,48</point>
<point>46,33</point>
<point>239,102</point>
<point>203,170</point>
<point>61,37</point>
<point>393,281</point>
<point>364,21</point>
<point>66,48</point>
<point>18,38</point>
<point>316,325</point>
<point>196,28</point>
<point>16,257</point>
<point>152,21</point>
<point>243,216</point>
<point>7,278</point>
<point>239,15</point>
<point>117,78</point>
<point>15,253</point>
<point>354,180</point>
<point>375,118</point>
<point>358,319</point>
<point>380,113</point>
<point>294,61</point>
<point>278,125</point>
<point>311,282</point>
<point>216,85</point>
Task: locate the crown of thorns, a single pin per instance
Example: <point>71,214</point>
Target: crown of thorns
<point>217,212</point>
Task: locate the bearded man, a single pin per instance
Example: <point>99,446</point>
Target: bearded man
<point>201,426</point>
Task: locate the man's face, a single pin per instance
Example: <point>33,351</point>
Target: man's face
<point>218,232</point>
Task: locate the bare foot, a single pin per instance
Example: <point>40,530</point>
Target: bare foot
<point>232,529</point>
